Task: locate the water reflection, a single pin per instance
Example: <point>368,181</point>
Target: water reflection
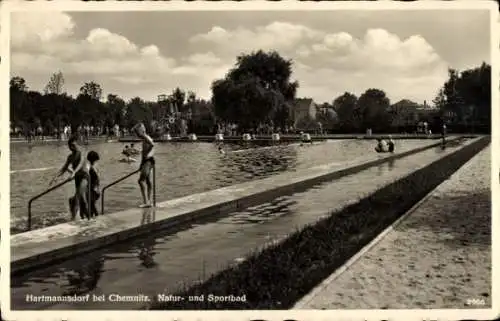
<point>148,215</point>
<point>389,165</point>
<point>85,278</point>
<point>147,253</point>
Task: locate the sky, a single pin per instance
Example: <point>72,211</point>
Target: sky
<point>144,54</point>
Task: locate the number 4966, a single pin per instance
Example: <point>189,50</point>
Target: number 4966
<point>476,302</point>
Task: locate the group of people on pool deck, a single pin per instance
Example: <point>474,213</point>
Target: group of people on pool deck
<point>385,146</point>
<point>84,172</point>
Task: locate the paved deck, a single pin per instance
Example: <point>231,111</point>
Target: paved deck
<point>437,257</point>
<point>34,248</point>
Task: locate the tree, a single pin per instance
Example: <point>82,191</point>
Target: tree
<point>18,96</point>
<point>453,100</point>
<point>55,84</point>
<point>328,118</point>
<point>440,100</point>
<point>116,111</point>
<point>91,89</point>
<point>467,95</point>
<point>178,97</point>
<point>474,89</point>
<point>306,123</point>
<point>373,107</point>
<point>191,97</point>
<point>18,83</point>
<point>255,90</point>
<point>345,107</point>
<point>137,111</point>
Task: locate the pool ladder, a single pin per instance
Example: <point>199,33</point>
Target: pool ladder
<point>124,178</point>
<point>30,203</point>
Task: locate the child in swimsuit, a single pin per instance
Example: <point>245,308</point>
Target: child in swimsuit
<point>92,158</point>
<point>147,164</point>
<point>78,171</point>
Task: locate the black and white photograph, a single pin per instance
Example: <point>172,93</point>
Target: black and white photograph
<point>249,156</point>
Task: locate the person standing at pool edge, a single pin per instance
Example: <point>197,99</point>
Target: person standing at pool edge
<point>147,164</point>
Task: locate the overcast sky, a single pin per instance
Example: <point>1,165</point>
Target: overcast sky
<point>405,53</point>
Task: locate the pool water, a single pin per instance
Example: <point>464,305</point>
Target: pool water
<point>182,169</point>
<point>166,261</point>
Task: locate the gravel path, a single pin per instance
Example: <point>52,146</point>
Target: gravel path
<point>439,257</point>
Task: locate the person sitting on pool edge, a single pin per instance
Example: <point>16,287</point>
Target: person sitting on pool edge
<point>147,164</point>
<point>381,146</point>
<point>79,172</point>
<point>390,144</point>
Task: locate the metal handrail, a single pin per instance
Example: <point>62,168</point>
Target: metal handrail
<point>50,190</point>
<point>124,178</point>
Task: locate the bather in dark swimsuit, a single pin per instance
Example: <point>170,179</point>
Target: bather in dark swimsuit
<point>81,174</point>
<point>146,160</point>
<point>94,182</point>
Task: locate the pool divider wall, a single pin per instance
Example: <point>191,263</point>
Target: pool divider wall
<point>43,255</point>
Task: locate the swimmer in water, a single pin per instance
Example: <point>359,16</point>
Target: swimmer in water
<point>221,150</point>
<point>132,150</point>
<point>147,164</point>
<point>78,171</point>
<point>127,152</point>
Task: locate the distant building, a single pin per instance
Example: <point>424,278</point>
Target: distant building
<point>302,108</point>
<point>408,113</point>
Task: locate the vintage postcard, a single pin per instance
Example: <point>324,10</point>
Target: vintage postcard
<point>249,161</point>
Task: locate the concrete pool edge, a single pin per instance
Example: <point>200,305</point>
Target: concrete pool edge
<point>187,210</point>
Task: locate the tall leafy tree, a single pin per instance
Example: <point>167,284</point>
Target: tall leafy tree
<point>91,89</point>
<point>345,107</point>
<point>373,107</point>
<point>467,95</point>
<point>255,90</point>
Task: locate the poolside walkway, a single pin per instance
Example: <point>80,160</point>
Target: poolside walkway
<point>438,257</point>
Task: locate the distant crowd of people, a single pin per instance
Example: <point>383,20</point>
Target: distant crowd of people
<point>83,132</point>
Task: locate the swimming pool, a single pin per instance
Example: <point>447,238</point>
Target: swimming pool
<point>182,169</point>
